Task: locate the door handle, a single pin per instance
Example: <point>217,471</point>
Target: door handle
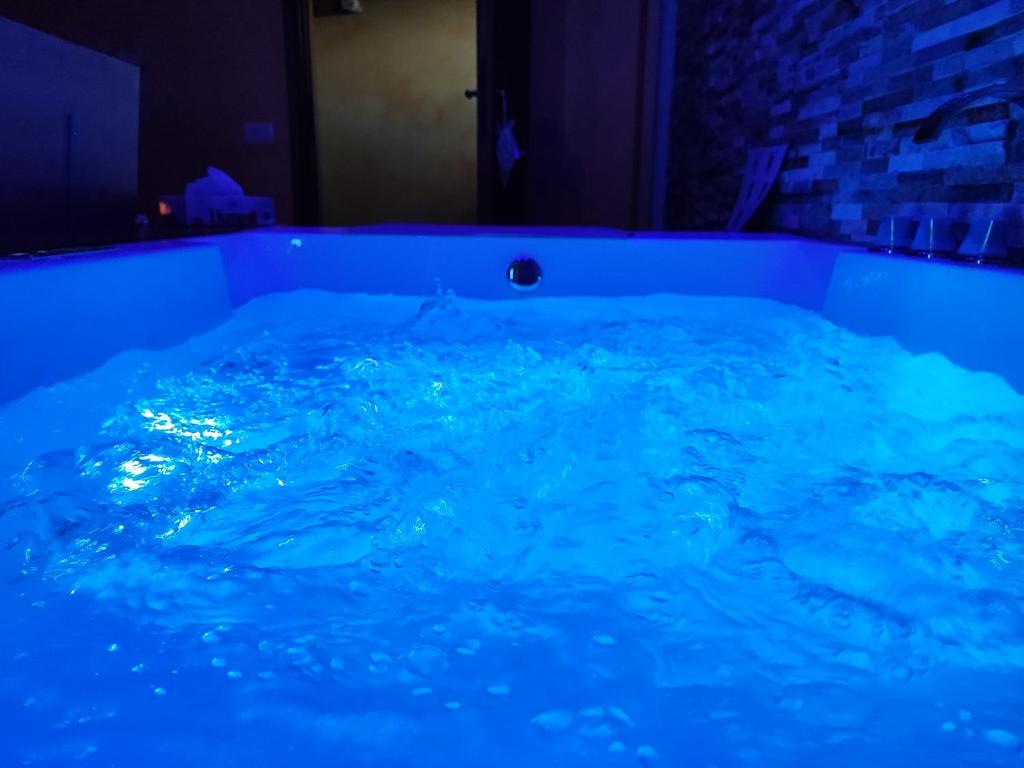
<point>472,94</point>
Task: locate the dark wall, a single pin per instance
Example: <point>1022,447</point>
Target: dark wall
<point>69,140</point>
<point>586,95</point>
<point>207,68</point>
<point>846,83</point>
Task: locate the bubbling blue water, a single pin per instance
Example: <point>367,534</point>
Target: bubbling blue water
<point>345,530</point>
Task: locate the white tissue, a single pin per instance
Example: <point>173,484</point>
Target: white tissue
<point>216,183</point>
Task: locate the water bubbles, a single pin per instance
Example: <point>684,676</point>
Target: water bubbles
<point>427,662</point>
<point>86,752</point>
<point>555,720</point>
<point>360,588</point>
<point>380,662</point>
<point>621,716</point>
<point>469,648</point>
<point>1001,738</point>
<point>440,507</point>
<point>159,691</point>
<point>646,754</point>
<point>686,510</point>
<point>596,730</point>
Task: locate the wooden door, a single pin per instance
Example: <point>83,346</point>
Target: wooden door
<point>396,137</point>
<point>580,80</point>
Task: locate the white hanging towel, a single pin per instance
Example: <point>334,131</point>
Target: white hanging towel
<point>508,146</point>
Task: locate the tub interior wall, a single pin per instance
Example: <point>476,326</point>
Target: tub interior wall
<point>62,317</point>
<point>154,297</point>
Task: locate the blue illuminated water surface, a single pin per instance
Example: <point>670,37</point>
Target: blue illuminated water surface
<point>353,531</point>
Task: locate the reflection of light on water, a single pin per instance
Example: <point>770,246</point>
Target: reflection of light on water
<point>209,432</point>
<point>365,365</point>
<point>181,523</point>
<point>134,471</point>
<point>133,467</point>
<point>206,428</point>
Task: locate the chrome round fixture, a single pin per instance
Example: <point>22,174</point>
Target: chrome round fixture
<point>524,274</point>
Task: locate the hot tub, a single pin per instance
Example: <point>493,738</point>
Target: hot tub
<point>303,497</point>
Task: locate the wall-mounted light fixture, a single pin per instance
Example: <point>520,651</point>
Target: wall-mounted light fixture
<point>336,7</point>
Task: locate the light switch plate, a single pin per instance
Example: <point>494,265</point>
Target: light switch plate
<point>259,133</point>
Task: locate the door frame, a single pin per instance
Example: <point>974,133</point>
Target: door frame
<point>653,107</point>
<point>502,65</point>
<point>498,206</point>
<point>301,111</point>
<point>667,29</point>
<point>654,113</point>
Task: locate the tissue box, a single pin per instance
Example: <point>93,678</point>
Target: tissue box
<point>219,210</point>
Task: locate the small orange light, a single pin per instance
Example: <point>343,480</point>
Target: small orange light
<point>165,209</point>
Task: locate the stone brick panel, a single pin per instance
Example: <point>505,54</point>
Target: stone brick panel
<point>846,83</point>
